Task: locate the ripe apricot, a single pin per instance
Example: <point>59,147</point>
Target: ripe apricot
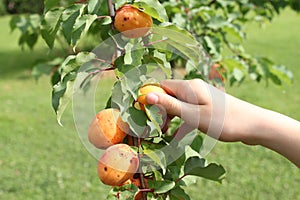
<point>132,22</point>
<point>107,128</point>
<point>117,164</point>
<point>142,93</point>
<point>214,73</point>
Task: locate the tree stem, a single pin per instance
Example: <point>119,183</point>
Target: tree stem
<point>111,11</point>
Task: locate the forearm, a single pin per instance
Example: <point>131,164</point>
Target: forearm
<point>259,126</point>
<point>281,134</point>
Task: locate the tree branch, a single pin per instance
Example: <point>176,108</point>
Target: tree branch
<point>111,11</point>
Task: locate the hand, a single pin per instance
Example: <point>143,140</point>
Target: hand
<point>227,118</point>
<point>201,106</point>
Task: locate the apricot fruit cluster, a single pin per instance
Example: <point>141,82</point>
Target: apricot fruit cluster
<point>119,163</point>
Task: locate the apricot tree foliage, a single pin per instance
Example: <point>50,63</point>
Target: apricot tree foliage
<point>193,35</point>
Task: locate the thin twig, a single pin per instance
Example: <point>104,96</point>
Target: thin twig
<point>111,11</point>
<point>155,42</point>
<point>105,61</point>
<point>180,178</point>
<point>102,70</point>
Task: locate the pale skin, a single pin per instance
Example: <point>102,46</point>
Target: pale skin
<point>241,121</point>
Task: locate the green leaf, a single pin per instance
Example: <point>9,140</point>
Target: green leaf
<point>126,192</point>
<point>119,3</point>
<point>154,115</point>
<point>133,54</point>
<point>62,94</point>
<point>217,22</point>
<point>161,187</point>
<point>197,143</point>
<point>50,26</point>
<point>179,194</point>
<point>73,62</point>
<point>93,6</point>
<point>81,26</point>
<point>282,73</point>
<point>69,17</point>
<point>178,39</point>
<point>49,4</point>
<point>158,157</point>
<point>235,31</point>
<point>45,68</point>
<point>122,98</point>
<point>196,166</point>
<point>29,25</point>
<point>153,8</point>
<point>137,121</point>
<point>213,44</point>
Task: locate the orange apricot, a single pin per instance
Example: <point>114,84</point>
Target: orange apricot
<point>117,164</point>
<point>215,72</point>
<point>142,93</point>
<point>107,129</point>
<point>132,22</point>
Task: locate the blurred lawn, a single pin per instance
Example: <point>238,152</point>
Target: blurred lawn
<point>41,160</point>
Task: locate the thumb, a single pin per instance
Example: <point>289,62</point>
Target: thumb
<point>169,103</point>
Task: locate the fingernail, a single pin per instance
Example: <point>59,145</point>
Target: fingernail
<point>152,98</point>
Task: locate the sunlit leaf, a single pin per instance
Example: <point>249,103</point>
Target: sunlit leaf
<point>50,25</point>
<point>153,8</point>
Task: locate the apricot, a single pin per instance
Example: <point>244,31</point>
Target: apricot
<point>215,73</point>
<point>142,93</point>
<point>107,129</point>
<point>117,164</point>
<point>132,22</point>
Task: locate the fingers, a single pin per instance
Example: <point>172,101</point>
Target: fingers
<point>188,112</point>
<point>169,103</point>
<point>191,91</point>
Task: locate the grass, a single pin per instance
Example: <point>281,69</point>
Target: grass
<point>41,160</point>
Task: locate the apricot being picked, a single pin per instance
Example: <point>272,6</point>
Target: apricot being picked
<point>107,129</point>
<point>132,22</point>
<point>142,93</point>
<point>117,164</point>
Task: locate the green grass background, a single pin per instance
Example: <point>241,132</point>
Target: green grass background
<point>41,160</point>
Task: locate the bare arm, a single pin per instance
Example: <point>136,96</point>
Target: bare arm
<point>242,121</point>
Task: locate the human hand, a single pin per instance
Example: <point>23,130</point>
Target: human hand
<point>227,118</point>
<point>207,108</point>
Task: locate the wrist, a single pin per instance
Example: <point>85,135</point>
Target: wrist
<point>243,121</point>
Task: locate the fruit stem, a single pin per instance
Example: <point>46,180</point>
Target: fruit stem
<point>111,10</point>
<point>180,178</point>
<point>146,190</point>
